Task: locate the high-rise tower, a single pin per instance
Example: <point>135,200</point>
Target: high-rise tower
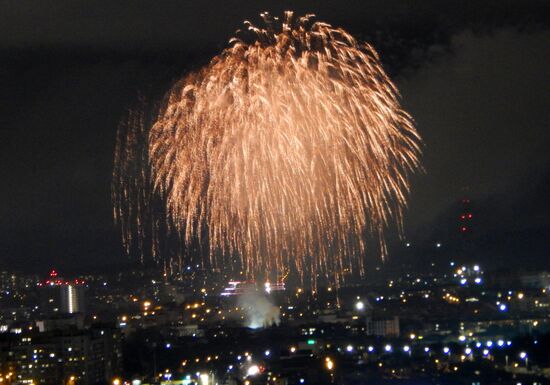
<point>466,217</point>
<point>60,296</point>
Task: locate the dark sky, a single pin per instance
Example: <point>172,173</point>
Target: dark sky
<point>474,75</point>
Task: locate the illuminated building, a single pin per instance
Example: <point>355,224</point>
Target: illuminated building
<point>383,326</point>
<point>90,356</point>
<point>238,287</point>
<point>59,296</point>
<point>72,298</point>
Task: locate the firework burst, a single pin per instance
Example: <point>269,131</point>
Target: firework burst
<point>285,151</point>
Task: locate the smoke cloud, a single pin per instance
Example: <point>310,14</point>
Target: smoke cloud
<point>260,311</point>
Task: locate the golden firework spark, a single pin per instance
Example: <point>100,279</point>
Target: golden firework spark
<point>284,151</point>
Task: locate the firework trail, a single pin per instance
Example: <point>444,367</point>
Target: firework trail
<point>285,151</point>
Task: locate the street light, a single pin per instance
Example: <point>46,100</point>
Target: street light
<point>329,364</point>
<point>525,357</point>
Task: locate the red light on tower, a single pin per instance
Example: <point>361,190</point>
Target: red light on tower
<point>465,217</point>
<point>53,273</point>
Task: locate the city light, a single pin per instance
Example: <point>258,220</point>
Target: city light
<point>253,370</point>
<point>329,363</point>
<point>205,379</point>
<point>359,305</point>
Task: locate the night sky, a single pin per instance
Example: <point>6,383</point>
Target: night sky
<point>474,75</point>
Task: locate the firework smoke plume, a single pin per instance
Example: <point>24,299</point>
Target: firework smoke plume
<point>260,311</point>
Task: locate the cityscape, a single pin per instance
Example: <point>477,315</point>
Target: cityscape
<point>274,193</point>
<point>449,323</point>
